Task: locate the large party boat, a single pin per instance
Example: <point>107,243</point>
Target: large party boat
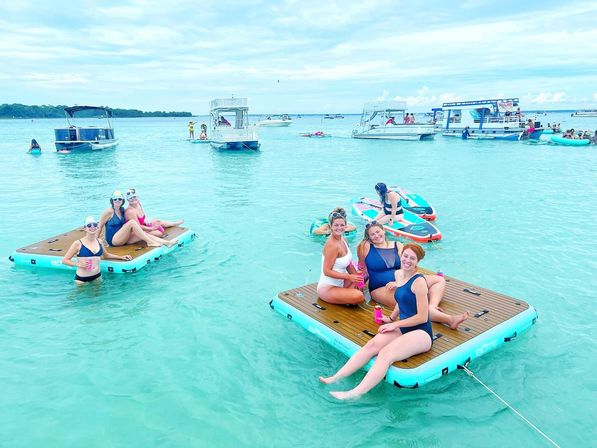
<point>230,129</point>
<point>75,138</point>
<point>493,119</point>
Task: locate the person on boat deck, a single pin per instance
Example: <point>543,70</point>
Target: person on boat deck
<point>390,121</point>
<point>518,114</point>
<point>325,229</point>
<point>89,251</point>
<point>135,212</point>
<point>223,122</point>
<point>119,233</point>
<point>406,331</point>
<point>339,279</point>
<point>530,128</point>
<point>191,126</point>
<point>34,146</point>
<point>466,134</point>
<point>381,258</point>
<point>391,206</point>
<point>412,118</point>
<point>202,135</point>
<point>507,115</point>
<point>406,119</point>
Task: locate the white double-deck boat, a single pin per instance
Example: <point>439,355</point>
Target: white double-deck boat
<point>276,121</point>
<point>385,120</point>
<point>585,113</point>
<point>85,138</point>
<point>486,120</point>
<point>230,129</point>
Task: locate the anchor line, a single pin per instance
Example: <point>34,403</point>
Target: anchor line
<point>472,375</point>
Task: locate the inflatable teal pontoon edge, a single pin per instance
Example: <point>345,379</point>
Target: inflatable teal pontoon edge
<point>118,267</point>
<point>431,370</point>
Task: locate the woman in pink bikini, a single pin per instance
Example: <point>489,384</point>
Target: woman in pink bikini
<point>135,211</point>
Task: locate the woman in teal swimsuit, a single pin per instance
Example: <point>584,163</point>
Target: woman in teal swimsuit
<point>119,232</point>
<point>89,251</point>
<point>405,333</point>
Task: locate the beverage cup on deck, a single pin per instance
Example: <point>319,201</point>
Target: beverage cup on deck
<point>378,315</point>
<point>89,264</point>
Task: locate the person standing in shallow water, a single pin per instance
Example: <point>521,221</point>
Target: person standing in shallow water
<point>405,333</point>
<point>191,126</point>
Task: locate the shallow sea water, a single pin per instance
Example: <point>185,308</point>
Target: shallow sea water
<point>187,352</point>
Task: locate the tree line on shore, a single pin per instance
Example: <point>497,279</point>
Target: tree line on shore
<point>47,111</point>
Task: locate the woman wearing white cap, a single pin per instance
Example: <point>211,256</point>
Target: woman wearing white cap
<point>135,212</point>
<point>88,251</point>
<point>119,232</point>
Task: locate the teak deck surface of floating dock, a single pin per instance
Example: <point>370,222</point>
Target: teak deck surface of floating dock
<point>487,309</point>
<point>58,245</point>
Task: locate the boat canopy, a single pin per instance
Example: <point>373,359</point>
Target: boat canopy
<point>380,106</point>
<point>496,104</point>
<point>71,111</point>
<point>228,104</point>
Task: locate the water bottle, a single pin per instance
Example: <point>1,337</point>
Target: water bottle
<point>367,295</point>
<point>440,273</point>
<point>378,315</point>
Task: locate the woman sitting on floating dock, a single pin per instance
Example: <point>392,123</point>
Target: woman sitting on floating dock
<point>339,279</point>
<point>399,338</point>
<point>119,232</point>
<point>135,212</point>
<point>382,258</point>
<point>89,251</point>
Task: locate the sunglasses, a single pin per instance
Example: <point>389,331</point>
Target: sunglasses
<point>118,199</point>
<point>372,223</point>
<point>132,197</point>
<point>91,224</point>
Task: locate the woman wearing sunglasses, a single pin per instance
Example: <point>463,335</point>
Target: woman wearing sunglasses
<point>405,333</point>
<point>135,212</point>
<point>338,279</point>
<point>391,207</point>
<point>119,232</point>
<point>89,251</point>
<point>382,258</point>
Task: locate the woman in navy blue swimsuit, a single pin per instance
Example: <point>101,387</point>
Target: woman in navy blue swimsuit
<point>89,251</point>
<point>405,333</point>
<point>381,258</point>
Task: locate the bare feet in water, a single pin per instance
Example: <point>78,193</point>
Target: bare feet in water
<point>328,380</point>
<point>457,320</point>
<point>339,395</point>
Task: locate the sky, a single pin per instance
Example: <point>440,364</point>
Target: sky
<point>297,56</point>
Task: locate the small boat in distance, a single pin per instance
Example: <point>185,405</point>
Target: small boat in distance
<point>585,113</point>
<point>492,119</point>
<point>276,121</point>
<point>328,117</point>
<point>230,129</point>
<point>85,138</point>
<point>386,120</point>
<point>338,116</point>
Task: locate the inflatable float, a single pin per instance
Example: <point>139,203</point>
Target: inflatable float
<point>558,140</point>
<point>49,252</point>
<point>495,319</point>
<point>198,140</point>
<point>413,227</point>
<point>321,221</point>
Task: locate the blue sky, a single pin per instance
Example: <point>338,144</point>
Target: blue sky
<point>297,56</point>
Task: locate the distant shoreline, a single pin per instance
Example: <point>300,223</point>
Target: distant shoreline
<point>22,111</point>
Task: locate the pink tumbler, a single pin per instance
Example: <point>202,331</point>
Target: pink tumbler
<point>378,315</point>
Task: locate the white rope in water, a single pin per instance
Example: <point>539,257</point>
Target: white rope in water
<point>471,374</point>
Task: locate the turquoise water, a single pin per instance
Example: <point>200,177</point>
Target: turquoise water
<point>187,352</point>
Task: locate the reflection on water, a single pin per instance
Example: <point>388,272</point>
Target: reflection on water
<point>234,174</point>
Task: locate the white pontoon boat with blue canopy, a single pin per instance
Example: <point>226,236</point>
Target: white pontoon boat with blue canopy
<point>85,138</point>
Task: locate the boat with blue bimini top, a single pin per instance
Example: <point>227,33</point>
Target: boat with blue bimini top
<point>388,120</point>
<point>75,138</point>
<point>230,129</point>
<point>492,119</point>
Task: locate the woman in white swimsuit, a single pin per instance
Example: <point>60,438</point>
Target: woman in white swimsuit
<point>338,280</point>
